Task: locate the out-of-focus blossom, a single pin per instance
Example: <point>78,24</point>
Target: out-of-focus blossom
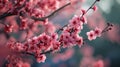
<point>99,63</point>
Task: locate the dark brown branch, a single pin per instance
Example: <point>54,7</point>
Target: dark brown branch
<point>27,53</point>
<point>107,28</point>
<point>6,14</point>
<point>61,28</point>
<point>43,18</point>
<point>47,52</point>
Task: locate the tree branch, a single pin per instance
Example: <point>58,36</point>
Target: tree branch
<point>80,17</point>
<point>43,18</point>
<point>6,14</point>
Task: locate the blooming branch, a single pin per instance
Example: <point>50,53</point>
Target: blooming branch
<point>33,13</point>
<point>9,13</point>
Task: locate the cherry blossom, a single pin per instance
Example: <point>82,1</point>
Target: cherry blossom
<point>91,35</point>
<point>8,28</point>
<point>33,17</point>
<point>94,33</point>
<point>40,58</point>
<point>94,8</point>
<point>98,32</point>
<point>99,63</point>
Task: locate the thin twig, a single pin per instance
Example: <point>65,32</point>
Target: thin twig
<point>89,7</point>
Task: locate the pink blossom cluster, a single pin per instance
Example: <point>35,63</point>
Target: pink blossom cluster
<point>48,4</point>
<point>17,46</point>
<point>70,34</point>
<point>30,6</point>
<point>94,33</point>
<point>14,61</point>
<point>40,8</point>
<point>37,45</point>
<point>45,42</point>
<point>4,4</point>
<point>11,5</point>
<point>41,43</point>
<point>27,11</point>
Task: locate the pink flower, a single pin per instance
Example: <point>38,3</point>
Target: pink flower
<point>75,25</point>
<point>34,40</point>
<point>23,23</point>
<point>54,36</point>
<point>50,28</point>
<point>41,58</point>
<point>80,41</point>
<point>56,45</point>
<point>75,21</point>
<point>45,41</point>
<point>83,20</point>
<point>18,47</point>
<point>83,11</point>
<point>8,28</point>
<point>91,35</point>
<point>99,63</point>
<point>98,32</point>
<point>94,8</point>
<point>26,64</point>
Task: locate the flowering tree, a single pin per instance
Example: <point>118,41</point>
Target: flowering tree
<point>29,19</point>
